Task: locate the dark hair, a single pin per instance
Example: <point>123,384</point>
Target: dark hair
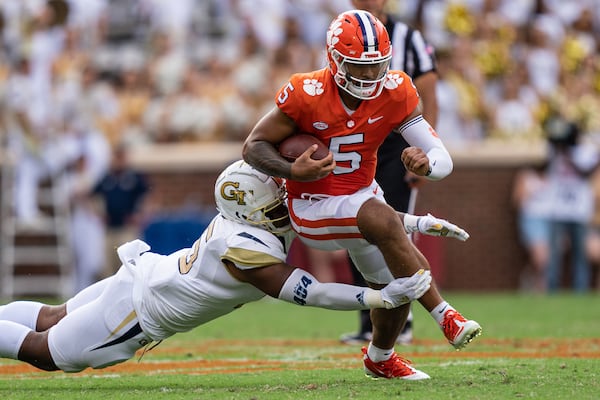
<point>561,131</point>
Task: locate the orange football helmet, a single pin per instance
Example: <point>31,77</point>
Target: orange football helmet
<point>359,51</point>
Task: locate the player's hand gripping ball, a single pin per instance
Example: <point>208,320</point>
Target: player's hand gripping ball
<point>293,146</point>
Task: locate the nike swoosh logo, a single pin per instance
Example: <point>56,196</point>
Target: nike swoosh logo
<point>373,120</point>
<point>442,310</point>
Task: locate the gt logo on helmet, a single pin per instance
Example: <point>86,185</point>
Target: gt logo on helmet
<point>230,191</point>
<point>246,195</point>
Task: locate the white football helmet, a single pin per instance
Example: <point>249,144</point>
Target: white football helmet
<point>248,196</point>
<point>359,52</point>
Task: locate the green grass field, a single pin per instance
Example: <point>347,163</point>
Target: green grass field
<point>532,347</point>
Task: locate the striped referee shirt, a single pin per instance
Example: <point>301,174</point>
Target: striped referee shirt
<point>411,53</point>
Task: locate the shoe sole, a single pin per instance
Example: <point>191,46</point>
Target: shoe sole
<point>414,377</point>
<point>471,333</point>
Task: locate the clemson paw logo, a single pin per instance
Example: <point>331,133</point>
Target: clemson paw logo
<point>334,31</point>
<point>393,81</point>
<point>313,87</point>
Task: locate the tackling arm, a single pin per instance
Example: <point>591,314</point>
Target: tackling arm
<point>297,286</point>
<point>304,289</point>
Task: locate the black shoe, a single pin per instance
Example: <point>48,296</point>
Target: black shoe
<point>356,338</point>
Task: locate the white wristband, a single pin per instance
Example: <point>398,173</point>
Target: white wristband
<point>440,164</point>
<point>373,298</point>
<point>418,133</point>
<point>411,223</point>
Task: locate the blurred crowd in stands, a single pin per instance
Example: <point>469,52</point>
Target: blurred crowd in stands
<point>80,79</point>
<point>204,70</point>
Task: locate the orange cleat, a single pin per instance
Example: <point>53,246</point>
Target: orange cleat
<point>394,367</point>
<point>458,330</point>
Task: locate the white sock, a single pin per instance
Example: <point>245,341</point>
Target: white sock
<point>22,312</point>
<point>438,312</point>
<point>11,339</point>
<point>376,354</point>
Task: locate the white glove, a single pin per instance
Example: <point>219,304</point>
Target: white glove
<point>404,290</point>
<point>430,225</point>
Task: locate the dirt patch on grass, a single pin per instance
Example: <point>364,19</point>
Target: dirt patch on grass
<point>238,356</point>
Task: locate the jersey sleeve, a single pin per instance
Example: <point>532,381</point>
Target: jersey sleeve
<point>254,248</point>
<point>290,99</point>
<point>403,92</point>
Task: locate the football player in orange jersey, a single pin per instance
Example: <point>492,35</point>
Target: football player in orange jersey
<point>335,202</point>
<point>415,56</point>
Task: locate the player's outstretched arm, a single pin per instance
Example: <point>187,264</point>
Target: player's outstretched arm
<point>300,287</point>
<point>433,226</point>
<point>304,289</point>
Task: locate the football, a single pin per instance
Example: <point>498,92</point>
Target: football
<point>293,146</point>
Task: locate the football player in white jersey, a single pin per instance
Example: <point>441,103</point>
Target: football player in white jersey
<point>239,258</point>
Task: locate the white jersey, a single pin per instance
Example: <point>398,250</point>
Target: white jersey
<point>190,287</point>
<point>153,296</point>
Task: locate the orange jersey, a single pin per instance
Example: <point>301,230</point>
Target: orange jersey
<point>313,102</point>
